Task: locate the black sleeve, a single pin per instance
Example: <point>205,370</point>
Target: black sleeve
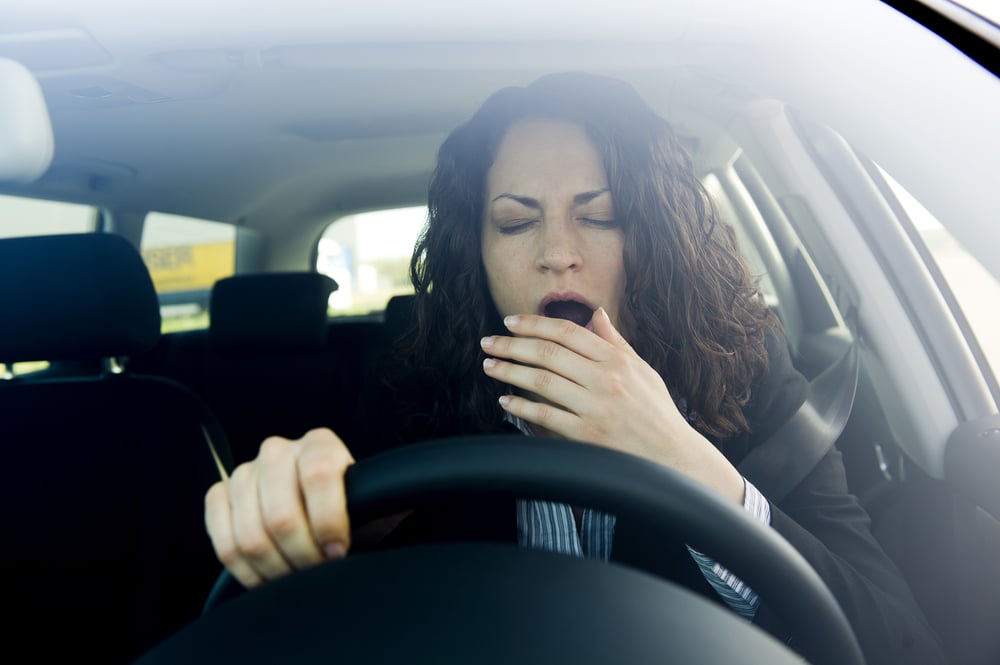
<point>829,527</point>
<point>831,530</point>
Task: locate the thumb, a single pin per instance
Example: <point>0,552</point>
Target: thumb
<point>606,330</point>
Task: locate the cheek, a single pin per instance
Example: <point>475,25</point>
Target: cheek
<point>613,269</point>
<point>609,259</point>
<point>498,272</point>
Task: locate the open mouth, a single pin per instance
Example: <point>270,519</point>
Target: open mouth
<point>571,310</point>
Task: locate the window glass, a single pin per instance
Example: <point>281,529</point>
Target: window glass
<point>368,255</point>
<point>21,217</point>
<point>975,289</point>
<point>185,257</point>
<point>746,246</point>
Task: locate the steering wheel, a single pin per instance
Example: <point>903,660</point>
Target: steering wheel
<point>500,603</point>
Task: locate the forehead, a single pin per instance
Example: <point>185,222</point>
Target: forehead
<point>541,155</point>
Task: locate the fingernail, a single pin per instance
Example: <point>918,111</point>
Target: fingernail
<point>511,320</point>
<point>487,342</point>
<point>504,400</point>
<point>489,363</point>
<point>334,551</point>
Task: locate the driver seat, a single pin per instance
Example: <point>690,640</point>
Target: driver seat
<point>104,474</point>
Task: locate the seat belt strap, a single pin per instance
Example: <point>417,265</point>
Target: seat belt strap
<point>779,464</point>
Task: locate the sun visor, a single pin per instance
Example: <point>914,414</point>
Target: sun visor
<point>26,141</point>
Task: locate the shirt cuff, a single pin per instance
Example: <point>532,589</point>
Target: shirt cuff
<point>755,503</point>
<point>738,596</point>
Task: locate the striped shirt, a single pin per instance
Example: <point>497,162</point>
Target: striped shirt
<point>550,526</point>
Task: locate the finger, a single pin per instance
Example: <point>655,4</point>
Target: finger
<point>551,418</point>
<point>563,332</point>
<point>606,330</point>
<point>545,354</point>
<point>322,463</point>
<point>251,537</point>
<point>541,382</point>
<point>281,506</point>
<point>218,522</point>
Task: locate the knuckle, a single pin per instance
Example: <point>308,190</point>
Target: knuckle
<point>323,435</point>
<point>255,546</point>
<point>242,472</point>
<point>568,329</point>
<point>273,446</point>
<point>282,521</point>
<point>229,556</point>
<point>320,470</point>
<point>592,434</point>
<point>542,380</point>
<point>543,414</point>
<point>216,494</point>
<point>549,350</point>
<point>323,443</point>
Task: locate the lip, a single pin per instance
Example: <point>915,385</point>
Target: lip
<point>554,296</point>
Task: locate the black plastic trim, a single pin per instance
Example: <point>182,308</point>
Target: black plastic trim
<point>971,34</point>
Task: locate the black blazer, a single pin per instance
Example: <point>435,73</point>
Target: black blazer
<point>819,518</point>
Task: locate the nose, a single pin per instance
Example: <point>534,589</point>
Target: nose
<point>560,249</point>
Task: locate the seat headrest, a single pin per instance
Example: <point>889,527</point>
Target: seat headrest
<point>271,311</point>
<point>398,315</point>
<point>74,297</point>
<point>26,140</point>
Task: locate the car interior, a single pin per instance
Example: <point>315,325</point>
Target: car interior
<point>278,134</point>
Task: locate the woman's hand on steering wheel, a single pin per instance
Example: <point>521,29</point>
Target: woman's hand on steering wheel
<point>283,511</point>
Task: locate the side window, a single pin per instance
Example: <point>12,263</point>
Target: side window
<point>185,257</point>
<point>368,255</point>
<point>21,217</point>
<point>975,289</point>
<point>746,245</point>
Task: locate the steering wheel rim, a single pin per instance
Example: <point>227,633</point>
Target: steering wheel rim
<point>621,484</point>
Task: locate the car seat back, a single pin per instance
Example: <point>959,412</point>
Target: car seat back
<point>104,475</point>
<point>270,363</point>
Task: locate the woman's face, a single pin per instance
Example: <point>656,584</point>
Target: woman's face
<point>550,242</point>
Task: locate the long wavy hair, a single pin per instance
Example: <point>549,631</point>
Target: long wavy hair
<point>692,310</point>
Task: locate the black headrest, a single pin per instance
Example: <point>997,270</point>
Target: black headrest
<point>273,311</point>
<point>398,315</point>
<point>73,297</point>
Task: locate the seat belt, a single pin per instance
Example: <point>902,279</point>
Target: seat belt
<point>779,464</point>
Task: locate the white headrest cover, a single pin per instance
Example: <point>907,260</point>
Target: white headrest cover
<point>26,141</point>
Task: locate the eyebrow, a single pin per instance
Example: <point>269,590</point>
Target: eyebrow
<point>528,202</point>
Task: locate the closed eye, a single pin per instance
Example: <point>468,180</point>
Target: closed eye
<point>515,226</point>
<point>600,223</point>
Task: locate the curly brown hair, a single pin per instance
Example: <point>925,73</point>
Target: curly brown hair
<point>693,311</point>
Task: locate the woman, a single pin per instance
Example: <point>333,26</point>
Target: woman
<point>575,281</point>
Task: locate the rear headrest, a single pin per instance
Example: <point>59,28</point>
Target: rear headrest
<point>398,314</point>
<point>74,297</point>
<point>272,311</point>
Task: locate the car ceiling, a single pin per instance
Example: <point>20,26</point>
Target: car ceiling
<point>275,114</point>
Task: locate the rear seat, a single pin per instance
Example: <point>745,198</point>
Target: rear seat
<point>104,474</point>
<point>270,363</point>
